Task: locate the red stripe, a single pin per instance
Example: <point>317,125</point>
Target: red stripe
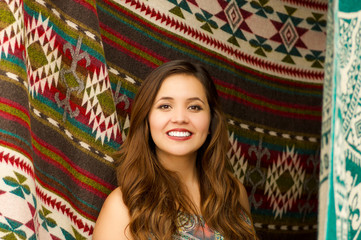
<point>86,5</point>
<point>132,43</point>
<point>49,94</point>
<point>309,4</point>
<point>63,156</point>
<point>54,203</point>
<point>267,109</point>
<point>19,149</point>
<point>15,161</point>
<point>63,195</point>
<point>292,72</point>
<point>266,100</point>
<point>18,107</point>
<point>77,168</point>
<point>14,118</point>
<point>128,52</point>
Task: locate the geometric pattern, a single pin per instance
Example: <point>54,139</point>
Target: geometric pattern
<point>340,184</point>
<point>96,99</point>
<point>237,161</point>
<point>44,58</point>
<point>69,75</point>
<point>283,28</point>
<point>284,182</point>
<point>29,220</point>
<point>11,35</point>
<point>255,175</point>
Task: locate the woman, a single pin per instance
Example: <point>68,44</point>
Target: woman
<point>174,177</point>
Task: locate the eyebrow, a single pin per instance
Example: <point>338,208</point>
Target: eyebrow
<point>188,99</point>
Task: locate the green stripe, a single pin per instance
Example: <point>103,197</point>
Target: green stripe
<point>10,60</point>
<point>206,59</point>
<point>53,111</point>
<point>15,112</point>
<point>77,175</point>
<point>290,109</point>
<point>69,34</point>
<point>273,143</point>
<point>3,131</point>
<point>50,176</point>
<point>131,48</point>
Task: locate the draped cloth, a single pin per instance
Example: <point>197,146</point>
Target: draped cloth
<point>340,168</point>
<point>69,71</point>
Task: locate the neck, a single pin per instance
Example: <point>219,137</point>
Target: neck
<point>185,168</point>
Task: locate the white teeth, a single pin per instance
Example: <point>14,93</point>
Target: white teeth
<point>179,134</point>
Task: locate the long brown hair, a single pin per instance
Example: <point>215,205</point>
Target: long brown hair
<point>154,195</point>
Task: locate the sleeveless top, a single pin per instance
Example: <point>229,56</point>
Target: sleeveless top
<point>191,229</point>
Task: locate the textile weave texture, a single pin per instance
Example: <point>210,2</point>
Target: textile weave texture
<point>69,71</point>
<point>340,168</point>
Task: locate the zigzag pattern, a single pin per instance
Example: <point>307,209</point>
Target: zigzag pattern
<point>319,5</point>
<point>246,58</point>
<point>103,126</point>
<point>20,162</point>
<point>238,162</point>
<point>127,34</point>
<point>37,30</point>
<point>289,164</point>
<point>65,210</point>
<point>11,37</point>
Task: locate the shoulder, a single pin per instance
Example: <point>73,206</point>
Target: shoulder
<point>113,218</point>
<point>243,196</point>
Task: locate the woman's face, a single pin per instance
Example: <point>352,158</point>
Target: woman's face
<point>180,117</point>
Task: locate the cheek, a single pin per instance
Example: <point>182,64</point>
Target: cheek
<point>155,123</point>
<point>204,124</point>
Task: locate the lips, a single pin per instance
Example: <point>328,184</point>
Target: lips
<point>179,133</point>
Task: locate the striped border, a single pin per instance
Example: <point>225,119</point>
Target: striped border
<point>69,23</point>
<point>131,80</point>
<point>256,63</point>
<point>314,4</point>
<point>273,133</point>
<point>285,227</point>
<point>64,209</point>
<point>57,125</point>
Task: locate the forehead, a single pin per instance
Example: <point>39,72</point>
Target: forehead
<point>182,85</point>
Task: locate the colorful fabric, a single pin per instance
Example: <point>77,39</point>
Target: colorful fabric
<point>340,169</point>
<point>69,71</point>
<point>192,228</point>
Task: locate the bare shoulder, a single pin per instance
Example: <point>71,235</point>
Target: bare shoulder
<point>244,197</point>
<point>113,219</point>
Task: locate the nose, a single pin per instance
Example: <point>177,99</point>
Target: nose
<point>179,115</point>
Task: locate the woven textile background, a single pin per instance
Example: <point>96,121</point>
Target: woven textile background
<point>69,71</point>
<point>340,168</point>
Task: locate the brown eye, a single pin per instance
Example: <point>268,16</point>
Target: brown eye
<point>195,108</point>
<point>164,106</point>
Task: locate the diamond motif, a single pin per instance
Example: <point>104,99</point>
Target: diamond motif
<point>10,30</point>
<point>284,182</point>
<point>233,15</point>
<point>41,42</point>
<point>237,160</point>
<point>358,128</point>
<point>104,119</point>
<point>289,34</point>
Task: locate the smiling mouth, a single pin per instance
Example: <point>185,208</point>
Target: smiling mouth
<point>179,134</point>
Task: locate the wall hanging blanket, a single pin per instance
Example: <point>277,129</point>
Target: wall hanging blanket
<point>340,168</point>
<point>69,71</point>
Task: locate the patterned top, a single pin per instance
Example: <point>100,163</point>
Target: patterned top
<point>191,229</point>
